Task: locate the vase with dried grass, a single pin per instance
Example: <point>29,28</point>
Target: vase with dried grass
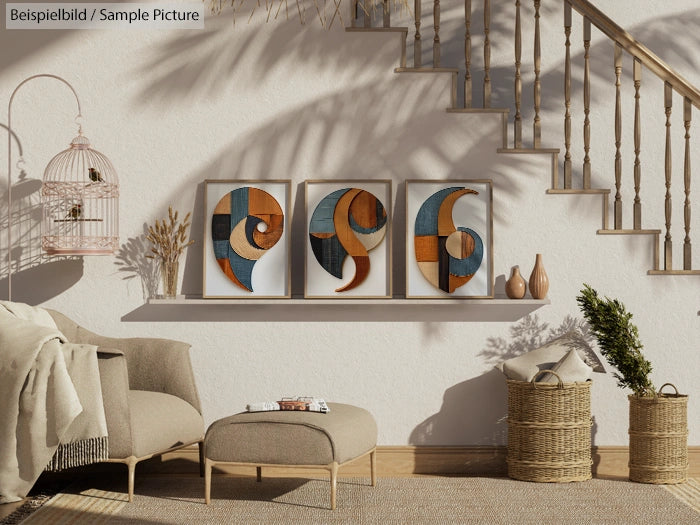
<point>169,240</point>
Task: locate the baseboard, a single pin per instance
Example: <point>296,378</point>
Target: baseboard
<point>396,461</point>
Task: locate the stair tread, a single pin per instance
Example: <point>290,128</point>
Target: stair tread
<point>629,232</point>
<point>528,150</point>
<point>673,272</point>
<point>426,70</point>
<point>478,110</point>
<point>376,29</point>
<point>574,191</point>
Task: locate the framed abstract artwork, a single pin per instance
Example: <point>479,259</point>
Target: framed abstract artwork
<point>449,239</point>
<point>246,239</point>
<point>348,239</point>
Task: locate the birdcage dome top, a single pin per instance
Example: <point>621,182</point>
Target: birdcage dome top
<point>82,164</point>
<point>80,142</point>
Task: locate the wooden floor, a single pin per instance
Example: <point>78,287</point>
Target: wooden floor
<point>398,461</point>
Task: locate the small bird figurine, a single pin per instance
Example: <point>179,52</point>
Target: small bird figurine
<point>75,212</point>
<point>95,176</point>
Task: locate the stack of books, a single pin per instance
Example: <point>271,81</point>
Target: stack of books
<point>308,404</point>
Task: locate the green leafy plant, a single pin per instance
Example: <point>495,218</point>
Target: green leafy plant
<point>618,340</point>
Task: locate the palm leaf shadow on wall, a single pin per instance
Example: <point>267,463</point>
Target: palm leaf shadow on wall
<point>132,262</point>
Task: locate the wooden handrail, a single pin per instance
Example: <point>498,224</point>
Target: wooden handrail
<point>649,59</point>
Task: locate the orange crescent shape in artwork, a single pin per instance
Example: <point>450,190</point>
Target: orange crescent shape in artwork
<point>347,239</point>
<point>445,223</point>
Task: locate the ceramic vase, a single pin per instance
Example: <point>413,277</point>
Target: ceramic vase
<point>515,285</point>
<point>539,282</point>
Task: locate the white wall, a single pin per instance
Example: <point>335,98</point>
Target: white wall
<point>172,109</point>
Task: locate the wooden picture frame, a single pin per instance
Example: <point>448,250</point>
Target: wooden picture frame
<point>449,227</point>
<point>247,247</point>
<point>348,239</point>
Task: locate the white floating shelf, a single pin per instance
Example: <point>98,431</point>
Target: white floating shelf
<point>197,309</point>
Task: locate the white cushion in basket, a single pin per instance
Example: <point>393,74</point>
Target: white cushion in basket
<point>524,367</point>
<point>570,369</point>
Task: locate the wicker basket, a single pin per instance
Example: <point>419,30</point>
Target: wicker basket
<point>549,430</point>
<point>659,438</point>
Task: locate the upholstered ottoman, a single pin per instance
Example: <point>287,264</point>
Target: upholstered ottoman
<point>292,439</point>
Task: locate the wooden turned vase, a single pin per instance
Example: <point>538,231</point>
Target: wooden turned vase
<point>515,286</point>
<point>539,282</point>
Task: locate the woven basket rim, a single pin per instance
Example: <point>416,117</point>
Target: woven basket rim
<point>588,382</point>
<point>657,397</point>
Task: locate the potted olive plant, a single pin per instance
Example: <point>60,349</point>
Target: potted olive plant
<point>658,425</point>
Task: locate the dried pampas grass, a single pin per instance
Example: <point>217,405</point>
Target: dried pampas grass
<point>169,238</point>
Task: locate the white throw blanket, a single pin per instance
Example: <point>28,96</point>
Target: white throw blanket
<point>51,396</point>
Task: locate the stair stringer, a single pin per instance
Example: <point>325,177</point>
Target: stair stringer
<point>604,193</point>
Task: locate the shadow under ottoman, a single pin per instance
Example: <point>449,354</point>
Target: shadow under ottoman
<point>292,439</point>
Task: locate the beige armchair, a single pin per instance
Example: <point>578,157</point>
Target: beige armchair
<point>150,398</point>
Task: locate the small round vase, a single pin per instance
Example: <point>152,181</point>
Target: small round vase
<point>515,286</point>
<point>539,282</point>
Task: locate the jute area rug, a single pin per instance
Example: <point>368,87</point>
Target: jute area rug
<point>433,500</point>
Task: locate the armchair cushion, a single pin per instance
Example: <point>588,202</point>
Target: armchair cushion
<point>162,421</point>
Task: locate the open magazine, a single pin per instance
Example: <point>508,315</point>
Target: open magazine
<point>307,404</point>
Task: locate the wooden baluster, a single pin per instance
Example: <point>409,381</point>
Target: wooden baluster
<point>387,13</point>
<point>353,13</point>
<point>637,74</point>
<point>467,53</point>
<point>668,243</point>
<point>417,59</point>
<point>687,249</point>
<point>567,96</point>
<point>586,103</point>
<point>436,38</point>
<point>537,125</point>
<point>487,54</point>
<point>518,122</point>
<point>618,137</point>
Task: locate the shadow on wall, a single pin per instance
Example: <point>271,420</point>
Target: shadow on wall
<point>35,276</point>
<point>474,412</point>
<point>132,263</point>
<point>529,334</point>
<point>305,139</point>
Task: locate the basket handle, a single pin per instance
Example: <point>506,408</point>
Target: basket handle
<point>560,384</point>
<point>668,384</point>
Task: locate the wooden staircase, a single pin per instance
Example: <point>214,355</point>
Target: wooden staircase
<point>362,21</point>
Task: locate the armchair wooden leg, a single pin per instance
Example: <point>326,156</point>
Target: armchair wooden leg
<point>131,465</point>
<point>207,480</point>
<point>373,466</point>
<point>201,458</point>
<point>334,479</point>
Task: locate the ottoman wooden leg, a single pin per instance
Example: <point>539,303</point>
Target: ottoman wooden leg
<point>201,459</point>
<point>207,480</point>
<point>373,466</point>
<point>258,472</point>
<point>334,478</point>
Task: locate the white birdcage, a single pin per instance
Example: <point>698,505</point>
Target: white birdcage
<point>80,194</point>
